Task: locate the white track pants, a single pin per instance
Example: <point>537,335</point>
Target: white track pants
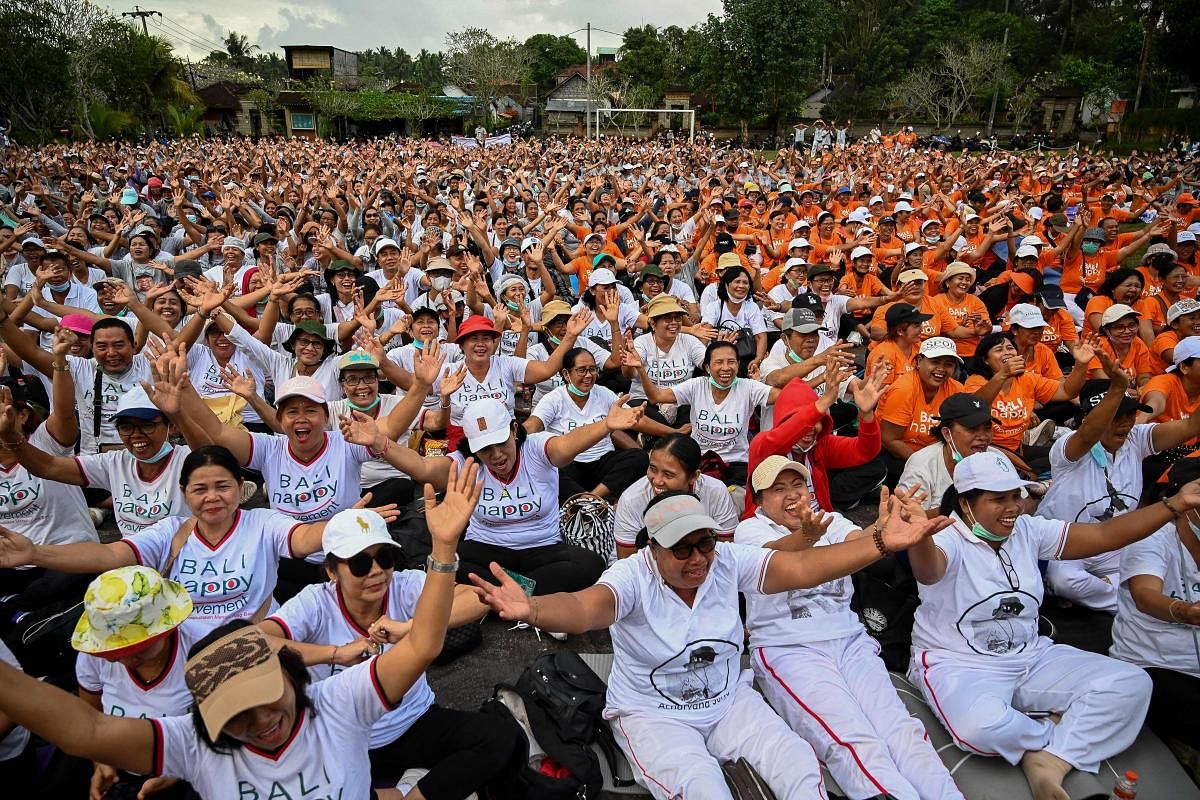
<point>674,760</point>
<point>838,696</point>
<point>983,703</point>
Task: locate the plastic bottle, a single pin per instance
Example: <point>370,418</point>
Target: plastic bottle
<point>1126,787</point>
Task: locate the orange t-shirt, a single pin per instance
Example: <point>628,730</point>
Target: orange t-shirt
<point>1044,363</point>
<point>1137,361</point>
<point>1013,407</point>
<point>1097,305</point>
<point>904,404</point>
<point>930,327</point>
<point>1158,350</point>
<point>1154,309</point>
<point>1060,328</point>
<point>890,353</point>
<point>952,315</point>
<point>1178,405</point>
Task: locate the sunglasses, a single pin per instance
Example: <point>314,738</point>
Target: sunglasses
<point>704,546</point>
<point>360,564</point>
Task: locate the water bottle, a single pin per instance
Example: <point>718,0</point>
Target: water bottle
<point>1126,787</point>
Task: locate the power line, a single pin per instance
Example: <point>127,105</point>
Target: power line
<point>181,38</point>
<point>142,13</point>
<point>199,37</point>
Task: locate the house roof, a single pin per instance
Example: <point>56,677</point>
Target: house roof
<point>220,95</point>
<point>566,73</point>
<point>575,105</point>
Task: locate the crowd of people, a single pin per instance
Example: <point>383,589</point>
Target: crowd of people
<point>613,385</point>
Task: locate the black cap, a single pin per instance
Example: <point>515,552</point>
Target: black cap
<point>188,268</point>
<point>820,269</point>
<point>965,409</point>
<point>809,301</point>
<point>1093,392</point>
<point>723,243</point>
<point>1052,297</point>
<point>904,314</point>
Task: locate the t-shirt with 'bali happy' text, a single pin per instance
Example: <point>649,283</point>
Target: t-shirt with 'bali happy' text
<point>137,503</point>
<point>723,427</point>
<point>522,512</point>
<point>504,373</point>
<point>560,415</point>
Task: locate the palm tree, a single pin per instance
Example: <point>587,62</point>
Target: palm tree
<point>239,49</point>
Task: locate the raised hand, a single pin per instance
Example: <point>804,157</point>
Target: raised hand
<point>508,599</point>
<point>448,519</point>
<point>64,340</point>
<point>903,528</point>
<point>1084,350</point>
<point>578,322</point>
<point>866,392</point>
<point>358,428</point>
<point>428,362</point>
<point>240,383</point>
<point>621,417</point>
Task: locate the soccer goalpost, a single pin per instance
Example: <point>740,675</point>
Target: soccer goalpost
<point>648,114</point>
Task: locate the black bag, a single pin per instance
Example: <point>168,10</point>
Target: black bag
<point>460,641</point>
<point>563,701</point>
<point>744,783</point>
<point>518,781</point>
<point>885,599</point>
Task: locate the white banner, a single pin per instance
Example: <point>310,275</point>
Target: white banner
<point>470,142</point>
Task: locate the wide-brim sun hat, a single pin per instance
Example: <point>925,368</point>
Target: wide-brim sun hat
<point>128,608</point>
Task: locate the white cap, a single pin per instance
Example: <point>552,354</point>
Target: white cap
<point>801,223</point>
<point>1187,348</point>
<point>669,521</point>
<point>136,403</point>
<point>901,206</point>
<point>990,471</point>
<point>799,241</point>
<point>908,248</point>
<point>1116,312</point>
<point>1026,315</point>
<point>971,216</point>
<point>929,222</point>
<point>486,422</point>
<point>938,346</point>
<point>1031,241</point>
<point>767,472</point>
<point>1193,228</point>
<point>718,218</point>
<point>874,200</point>
<point>1035,213</point>
<point>859,214</point>
<point>785,187</point>
<point>1179,309</point>
<point>234,242</point>
<point>591,236</point>
<point>528,242</point>
<point>859,252</point>
<point>301,386</point>
<point>353,530</point>
<point>1027,251</point>
<point>794,262</point>
<point>601,277</point>
<point>383,242</point>
<point>1185,236</point>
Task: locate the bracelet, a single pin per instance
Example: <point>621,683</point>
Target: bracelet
<point>877,537</point>
<point>333,655</point>
<point>534,612</point>
<point>433,565</point>
<point>63,368</point>
<point>1174,513</point>
<point>1171,611</point>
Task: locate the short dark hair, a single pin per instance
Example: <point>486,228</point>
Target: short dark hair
<point>112,322</point>
<point>210,455</point>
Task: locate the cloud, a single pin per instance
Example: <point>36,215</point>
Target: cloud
<point>411,24</point>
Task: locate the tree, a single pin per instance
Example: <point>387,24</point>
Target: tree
<point>547,55</point>
<point>644,60</point>
<point>920,93</point>
<point>429,72</point>
<point>480,63</point>
<point>266,103</point>
<point>967,71</point>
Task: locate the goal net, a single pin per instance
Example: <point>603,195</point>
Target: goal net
<point>642,121</point>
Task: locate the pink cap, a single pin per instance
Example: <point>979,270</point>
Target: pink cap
<point>77,323</point>
<point>301,386</point>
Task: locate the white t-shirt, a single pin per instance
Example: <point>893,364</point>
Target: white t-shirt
<point>1140,638</point>
<point>124,694</point>
<point>627,316</point>
<point>522,512</point>
<point>284,330</point>
<point>230,581</point>
<point>504,373</point>
<point>800,615</point>
<point>1079,492</point>
<point>15,742</point>
<point>404,356</point>
<point>412,284</point>
<point>308,491</point>
<point>137,503</point>
<point>749,316</point>
<point>666,369</point>
<point>280,367</point>
<point>680,661</point>
<point>46,511</point>
<point>318,615</point>
<point>538,352</point>
<point>325,755</point>
<point>509,338</point>
<point>112,387</point>
<point>560,415</point>
<point>376,470</point>
<point>723,428</point>
<point>629,516</point>
<point>986,605</point>
<point>205,374</point>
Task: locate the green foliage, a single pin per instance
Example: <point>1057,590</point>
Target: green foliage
<point>548,54</point>
<point>187,120</point>
<point>1161,123</point>
<point>644,60</point>
<point>108,123</point>
<point>377,106</point>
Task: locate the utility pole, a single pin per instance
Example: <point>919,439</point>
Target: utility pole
<point>138,11</point>
<point>996,89</point>
<point>588,115</point>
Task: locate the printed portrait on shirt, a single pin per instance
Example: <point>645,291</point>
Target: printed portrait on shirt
<point>698,675</point>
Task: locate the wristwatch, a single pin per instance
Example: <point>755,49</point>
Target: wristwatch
<point>433,565</point>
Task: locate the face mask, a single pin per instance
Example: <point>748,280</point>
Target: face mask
<point>363,409</point>
<point>440,283</point>
<point>1091,248</point>
<point>554,340</point>
<point>983,533</point>
<point>933,239</point>
<point>954,454</point>
<point>795,359</point>
<point>192,218</point>
<point>162,453</point>
<point>713,382</point>
<point>512,306</point>
<point>577,392</point>
<point>59,287</point>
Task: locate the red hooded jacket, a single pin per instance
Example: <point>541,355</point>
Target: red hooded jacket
<point>795,415</point>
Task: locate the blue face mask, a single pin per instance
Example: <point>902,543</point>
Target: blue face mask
<point>162,453</point>
<point>363,409</point>
<point>59,287</point>
<point>192,218</point>
<point>713,382</point>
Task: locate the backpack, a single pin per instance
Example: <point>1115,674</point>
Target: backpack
<point>886,600</point>
<point>557,702</point>
<point>586,521</point>
<point>744,783</point>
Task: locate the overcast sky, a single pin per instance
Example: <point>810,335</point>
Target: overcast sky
<point>196,28</point>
